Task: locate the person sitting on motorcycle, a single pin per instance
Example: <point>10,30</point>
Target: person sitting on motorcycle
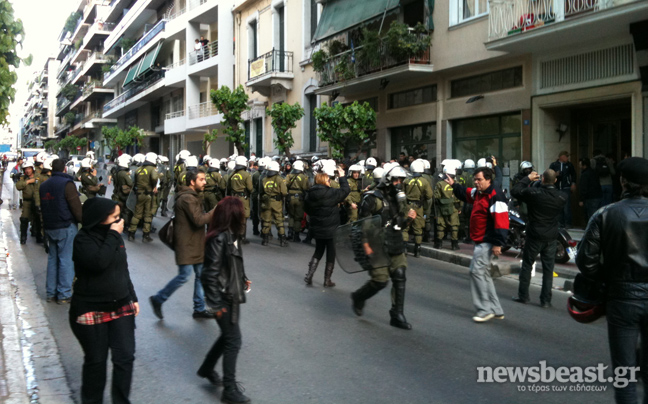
<point>545,203</point>
<point>526,168</point>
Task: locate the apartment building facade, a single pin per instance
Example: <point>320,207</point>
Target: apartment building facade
<point>39,121</point>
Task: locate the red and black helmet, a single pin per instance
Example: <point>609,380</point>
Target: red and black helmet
<point>585,311</point>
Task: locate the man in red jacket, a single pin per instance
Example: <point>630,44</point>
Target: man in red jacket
<point>489,225</point>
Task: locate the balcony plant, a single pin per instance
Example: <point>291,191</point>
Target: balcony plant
<point>404,43</point>
<point>69,118</point>
<point>369,55</point>
<point>126,44</point>
<point>343,69</point>
<point>70,91</point>
<point>319,60</point>
<point>72,22</point>
<point>284,117</point>
<point>78,43</point>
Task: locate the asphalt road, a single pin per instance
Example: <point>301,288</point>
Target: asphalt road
<point>304,345</point>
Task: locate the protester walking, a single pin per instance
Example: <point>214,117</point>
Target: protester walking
<point>61,209</point>
<point>488,229</point>
<point>104,304</point>
<point>322,206</point>
<point>189,236</point>
<point>619,233</point>
<point>225,285</point>
<point>544,204</point>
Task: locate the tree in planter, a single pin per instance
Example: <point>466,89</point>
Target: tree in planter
<point>209,138</point>
<point>232,104</point>
<point>70,91</point>
<point>118,139</point>
<point>284,117</point>
<point>339,125</point>
<point>12,34</point>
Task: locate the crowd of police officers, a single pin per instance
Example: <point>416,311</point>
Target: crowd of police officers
<point>414,205</point>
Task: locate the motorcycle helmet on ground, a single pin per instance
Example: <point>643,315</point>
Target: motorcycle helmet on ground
<point>587,304</point>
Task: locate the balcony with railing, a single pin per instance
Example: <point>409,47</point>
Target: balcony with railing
<point>134,94</point>
<point>203,116</point>
<point>358,69</point>
<point>517,25</point>
<point>204,53</point>
<point>272,68</point>
<point>141,43</point>
<point>175,122</point>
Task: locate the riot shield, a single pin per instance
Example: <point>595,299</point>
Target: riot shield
<point>351,241</point>
<point>131,201</point>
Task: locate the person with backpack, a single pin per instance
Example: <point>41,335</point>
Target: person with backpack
<point>566,184</point>
<point>605,171</point>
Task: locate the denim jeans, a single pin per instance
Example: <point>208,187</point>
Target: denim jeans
<point>184,272</point>
<point>627,319</point>
<point>481,284</point>
<point>118,336</point>
<point>547,251</point>
<point>591,206</point>
<point>60,268</point>
<point>227,345</point>
<point>565,218</point>
<point>607,196</point>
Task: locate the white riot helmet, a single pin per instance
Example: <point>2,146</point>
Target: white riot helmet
<point>184,154</point>
<point>329,170</point>
<point>298,166</point>
<point>151,157</point>
<point>252,158</point>
<point>47,164</point>
<point>450,170</point>
<point>263,162</point>
<point>361,163</point>
<point>163,159</point>
<point>468,164</point>
<point>241,161</point>
<point>40,157</point>
<point>139,158</point>
<point>86,163</point>
<point>231,165</point>
<point>426,164</point>
<point>395,172</point>
<point>371,163</point>
<point>378,173</point>
<point>417,167</point>
<point>314,159</point>
<point>213,163</point>
<point>223,161</point>
<point>90,155</point>
<point>355,167</point>
<point>207,158</point>
<point>482,163</point>
<point>191,162</point>
<point>124,161</point>
<point>28,163</point>
<point>273,168</point>
<point>525,165</point>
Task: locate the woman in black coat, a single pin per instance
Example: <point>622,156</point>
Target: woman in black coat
<point>324,213</point>
<point>104,303</point>
<point>225,284</point>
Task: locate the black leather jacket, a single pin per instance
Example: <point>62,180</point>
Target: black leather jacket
<point>614,248</point>
<point>223,276</point>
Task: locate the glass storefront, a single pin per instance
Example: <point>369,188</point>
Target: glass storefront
<point>499,136</point>
<point>417,140</point>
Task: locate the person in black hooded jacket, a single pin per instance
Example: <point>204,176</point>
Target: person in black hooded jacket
<point>321,205</point>
<point>104,303</point>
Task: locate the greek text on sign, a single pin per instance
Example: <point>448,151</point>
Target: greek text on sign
<point>257,67</point>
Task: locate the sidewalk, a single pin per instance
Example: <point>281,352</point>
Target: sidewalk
<point>30,365</point>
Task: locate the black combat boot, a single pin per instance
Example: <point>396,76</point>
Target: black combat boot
<point>131,236</point>
<point>233,394</point>
<point>255,230</point>
<point>164,209</point>
<point>290,234</point>
<point>365,292</point>
<point>312,267</point>
<point>24,224</point>
<point>437,243</point>
<point>397,317</point>
<point>296,238</point>
<point>282,240</point>
<point>147,238</point>
<point>328,271</point>
<point>264,239</point>
<point>455,245</point>
<point>417,250</point>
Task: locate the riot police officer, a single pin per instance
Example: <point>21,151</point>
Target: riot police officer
<point>272,194</point>
<point>355,196</point>
<point>166,181</point>
<point>239,184</point>
<point>367,178</point>
<point>28,183</point>
<point>447,213</point>
<point>146,182</point>
<point>418,192</point>
<point>257,167</point>
<point>297,185</point>
<point>388,201</point>
<point>89,183</point>
<point>180,167</point>
<point>428,208</point>
<point>123,184</point>
<point>215,185</point>
<point>526,168</point>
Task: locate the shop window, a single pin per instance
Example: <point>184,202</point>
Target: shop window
<point>417,140</point>
<point>488,82</point>
<point>416,96</point>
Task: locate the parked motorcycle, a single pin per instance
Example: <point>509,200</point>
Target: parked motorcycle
<point>565,250</point>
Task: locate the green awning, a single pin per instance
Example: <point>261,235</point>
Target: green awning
<point>340,15</point>
<point>430,14</point>
<point>149,60</point>
<point>131,74</point>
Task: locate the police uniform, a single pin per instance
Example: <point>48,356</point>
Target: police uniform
<point>297,185</point>
<point>178,170</point>
<point>123,184</point>
<point>272,193</point>
<point>428,208</point>
<point>89,184</point>
<point>29,209</point>
<point>146,178</point>
<point>214,188</point>
<point>393,218</point>
<point>418,192</point>
<point>256,180</point>
<point>166,179</point>
<point>447,214</point>
<point>354,197</point>
<point>367,180</point>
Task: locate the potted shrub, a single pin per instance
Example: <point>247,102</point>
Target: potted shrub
<point>404,44</point>
<point>319,60</point>
<point>370,56</point>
